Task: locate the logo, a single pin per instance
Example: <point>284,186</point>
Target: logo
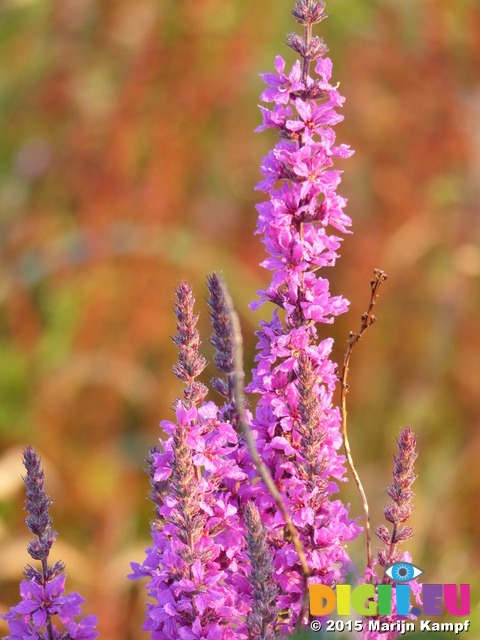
<point>403,572</point>
<point>370,600</point>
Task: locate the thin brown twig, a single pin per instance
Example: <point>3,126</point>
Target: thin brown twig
<point>367,320</point>
<point>250,440</point>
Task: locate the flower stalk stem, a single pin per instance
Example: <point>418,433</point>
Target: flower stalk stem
<point>308,39</point>
<point>367,320</point>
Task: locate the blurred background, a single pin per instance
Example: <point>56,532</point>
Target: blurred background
<point>128,162</point>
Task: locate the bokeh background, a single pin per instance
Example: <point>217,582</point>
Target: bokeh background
<point>128,162</point>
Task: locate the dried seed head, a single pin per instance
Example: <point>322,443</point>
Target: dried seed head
<point>309,51</point>
<point>308,12</point>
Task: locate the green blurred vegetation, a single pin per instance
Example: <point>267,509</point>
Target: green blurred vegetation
<point>128,162</point>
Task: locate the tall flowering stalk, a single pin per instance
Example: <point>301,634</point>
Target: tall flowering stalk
<point>43,592</point>
<point>297,426</point>
<point>197,536</point>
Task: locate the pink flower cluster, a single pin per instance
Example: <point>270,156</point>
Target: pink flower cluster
<point>297,426</point>
<point>293,221</point>
<point>37,607</point>
<point>193,561</point>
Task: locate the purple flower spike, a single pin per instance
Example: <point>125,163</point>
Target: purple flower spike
<point>397,513</point>
<point>43,592</point>
<point>192,566</point>
<point>297,426</point>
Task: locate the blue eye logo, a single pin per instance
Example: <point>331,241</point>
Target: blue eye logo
<point>403,572</point>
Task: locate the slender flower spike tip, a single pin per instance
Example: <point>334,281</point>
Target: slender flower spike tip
<point>190,363</point>
<point>297,426</point>
<point>188,366</point>
<point>44,603</point>
<point>400,509</point>
<point>223,342</point>
<point>397,513</point>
